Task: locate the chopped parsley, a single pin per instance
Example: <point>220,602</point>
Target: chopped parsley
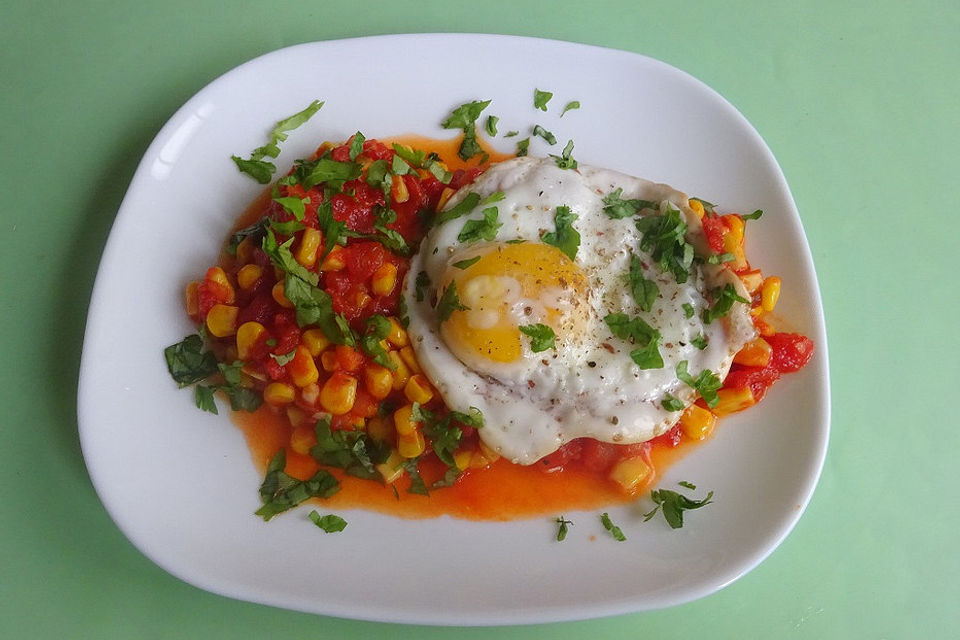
<point>541,98</point>
<point>331,523</point>
<point>188,362</point>
<point>314,306</point>
<point>326,170</point>
<point>449,302</point>
<point>723,302</point>
<point>672,403</point>
<point>565,237</point>
<point>261,170</point>
<point>565,159</point>
<point>647,354</point>
<point>464,118</point>
<point>353,451</point>
<point>664,238</point>
<point>706,383</point>
<point>254,231</point>
<point>644,291</point>
<point>280,491</point>
<point>573,104</point>
<point>203,398</point>
<point>753,216</point>
<point>377,328</point>
<point>284,358</point>
<point>356,145</point>
<point>465,206</point>
<point>673,504</point>
<point>523,147</point>
<point>491,125</point>
<point>510,134</point>
<point>700,341</point>
<point>617,208</point>
<point>688,310</point>
<point>612,528</point>
<point>541,337</point>
<point>562,524</point>
<point>483,229</point>
<point>543,133</point>
<point>466,264</point>
<point>420,285</point>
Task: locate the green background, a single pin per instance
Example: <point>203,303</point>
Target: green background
<point>861,108</point>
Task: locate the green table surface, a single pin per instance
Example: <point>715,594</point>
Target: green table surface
<point>861,106</point>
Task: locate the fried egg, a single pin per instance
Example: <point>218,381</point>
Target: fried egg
<point>478,346</point>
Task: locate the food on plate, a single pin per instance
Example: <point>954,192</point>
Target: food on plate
<point>410,318</point>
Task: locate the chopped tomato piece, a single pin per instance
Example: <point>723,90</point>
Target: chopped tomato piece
<point>791,351</point>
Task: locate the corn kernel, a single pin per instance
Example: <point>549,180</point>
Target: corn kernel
<point>398,335</point>
<point>444,197</point>
<point>302,368</point>
<point>361,300</point>
<point>315,340</point>
<point>418,389</point>
<point>384,279</point>
<point>252,372</point>
<point>411,446</point>
<point>755,353</point>
<point>334,260</point>
<point>310,241</point>
<point>752,280</point>
<point>339,393</point>
<point>766,330</point>
<point>696,422</point>
<point>193,299</point>
<point>328,360</point>
<point>392,467</point>
<point>378,380</point>
<point>278,394</point>
<point>410,359</point>
<point>733,400</point>
<point>310,394</point>
<point>630,473</point>
<point>302,438</point>
<point>245,250</point>
<point>248,275</point>
<point>398,190</point>
<point>219,276</point>
<point>280,296</point>
<point>247,336</point>
<point>222,320</point>
<point>401,373</point>
<point>770,293</point>
<point>462,459</point>
<point>403,420</point>
<point>733,241</point>
<point>697,207</point>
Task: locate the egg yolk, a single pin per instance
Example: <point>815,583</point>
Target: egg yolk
<point>510,286</point>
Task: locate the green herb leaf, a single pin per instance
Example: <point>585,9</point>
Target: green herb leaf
<point>483,229</point>
<point>647,355</point>
<point>466,264</point>
<point>565,238</point>
<point>562,528</point>
<point>465,117</point>
<point>399,166</point>
<point>688,310</point>
<point>644,291</point>
<point>523,147</point>
<point>449,302</point>
<point>541,98</point>
<point>673,504</point>
<point>706,383</point>
<point>573,104</point>
<point>285,358</point>
<point>491,125</point>
<point>720,258</point>
<point>315,307</point>
<point>541,337</point>
<point>510,134</point>
<point>420,285</point>
<point>281,256</point>
<point>260,170</point>
<point>723,303</point>
<point>413,157</point>
<point>753,216</point>
<point>254,231</point>
<point>665,240</point>
<point>687,485</point>
<point>292,205</point>
<point>464,207</point>
<point>671,403</point>
<point>565,159</point>
<point>700,342</point>
<point>377,328</point>
<point>203,397</point>
<point>617,208</point>
<point>546,135</point>
<point>286,228</point>
<point>496,196</point>
<point>330,523</point>
<point>263,171</point>
<point>243,399</point>
<point>353,451</point>
<point>612,528</point>
<point>280,491</point>
<point>356,145</point>
<point>188,362</point>
<point>326,170</point>
<point>417,485</point>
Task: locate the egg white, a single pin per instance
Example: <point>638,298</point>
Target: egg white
<point>588,386</point>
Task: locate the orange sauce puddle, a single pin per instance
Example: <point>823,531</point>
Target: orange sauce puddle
<point>502,491</point>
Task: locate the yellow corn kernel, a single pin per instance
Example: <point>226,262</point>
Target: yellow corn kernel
<point>696,422</point>
<point>248,275</point>
<point>770,293</point>
<point>418,389</point>
<point>398,335</point>
<point>733,400</point>
<point>378,380</point>
<point>338,393</point>
<point>411,446</point>
<point>247,336</point>
<point>478,460</point>
<point>630,473</point>
<point>193,298</point>
<point>328,360</point>
<point>765,329</point>
<point>310,393</point>
<point>302,368</point>
<point>755,353</point>
<point>302,438</point>
<point>401,373</point>
<point>384,279</point>
<point>361,300</point>
<point>490,454</point>
<point>410,359</point>
<point>334,260</point>
<point>278,394</point>
<point>392,467</point>
<point>398,190</point>
<point>245,250</point>
<point>218,275</point>
<point>310,241</point>
<point>280,296</point>
<point>403,420</point>
<point>733,241</point>
<point>462,459</point>
<point>252,372</point>
<point>697,207</point>
<point>222,320</point>
<point>752,280</point>
<point>378,429</point>
<point>297,416</point>
<point>315,340</point>
<point>444,196</point>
